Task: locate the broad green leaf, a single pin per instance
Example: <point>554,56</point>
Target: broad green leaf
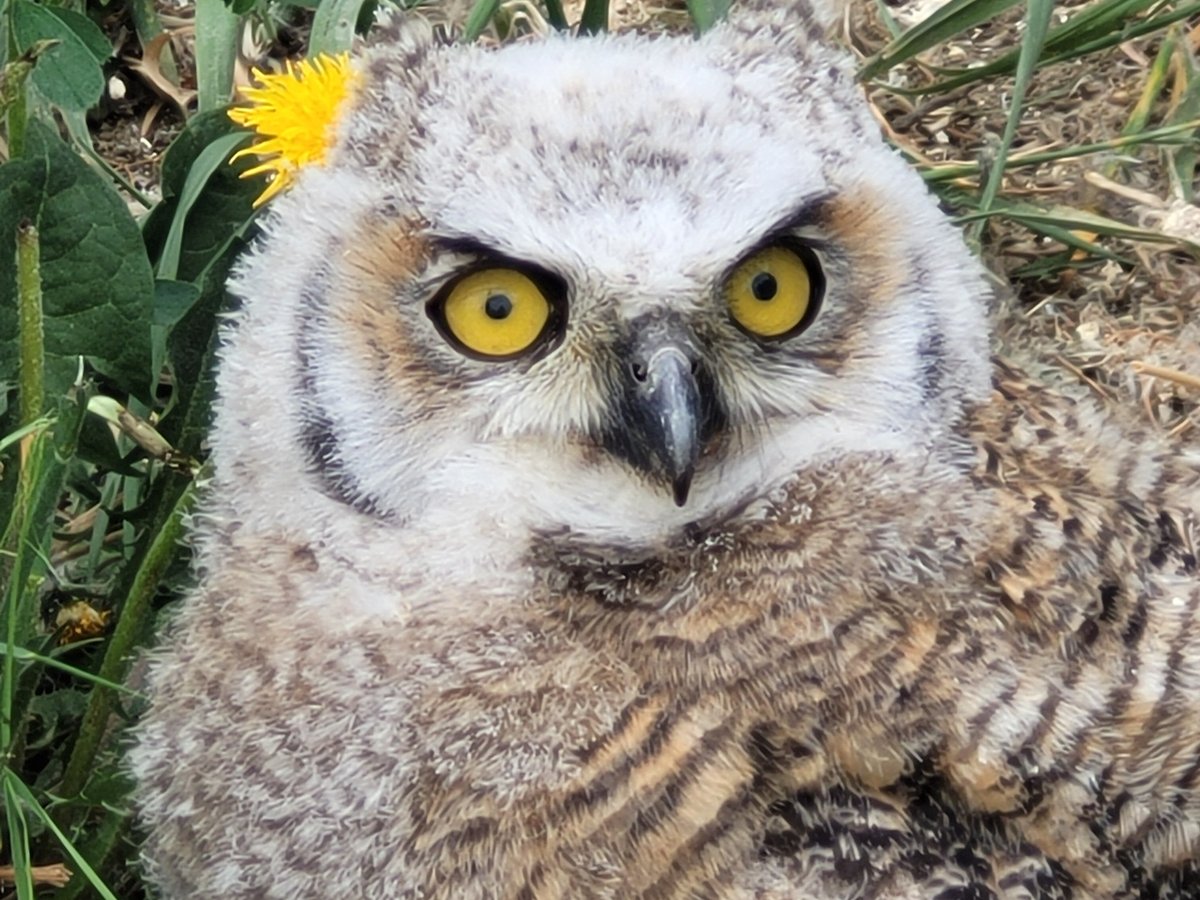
<point>86,30</point>
<point>69,74</point>
<point>54,711</point>
<point>216,209</point>
<point>172,299</point>
<point>96,280</point>
<point>192,347</point>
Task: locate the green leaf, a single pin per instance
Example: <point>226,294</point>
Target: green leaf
<point>68,74</point>
<point>96,280</point>
<point>956,16</point>
<point>172,299</point>
<point>477,20</point>
<point>16,789</point>
<point>1037,22</point>
<point>707,13</point>
<point>1058,221</point>
<point>26,655</point>
<point>333,26</point>
<point>1090,30</point>
<point>86,30</point>
<point>54,711</point>
<point>98,446</point>
<point>192,347</point>
<point>18,838</point>
<point>217,209</point>
<point>213,157</point>
<point>14,74</point>
<point>555,15</point>
<point>594,18</point>
<point>217,29</point>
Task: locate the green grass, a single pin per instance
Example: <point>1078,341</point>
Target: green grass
<point>106,341</point>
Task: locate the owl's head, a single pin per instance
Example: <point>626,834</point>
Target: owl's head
<point>608,287</point>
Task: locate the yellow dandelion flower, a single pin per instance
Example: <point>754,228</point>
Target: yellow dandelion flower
<point>296,115</point>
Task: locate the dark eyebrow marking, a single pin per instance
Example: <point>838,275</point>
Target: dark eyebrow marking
<point>464,245</point>
<point>806,212</point>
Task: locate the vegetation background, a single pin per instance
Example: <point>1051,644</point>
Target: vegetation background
<point>1063,136</point>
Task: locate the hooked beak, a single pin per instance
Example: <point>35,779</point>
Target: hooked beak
<point>670,398</point>
<point>663,414</point>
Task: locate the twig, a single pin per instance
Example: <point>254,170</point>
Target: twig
<point>1175,375</point>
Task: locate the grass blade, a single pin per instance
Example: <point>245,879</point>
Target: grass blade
<point>556,15</point>
<point>18,840</point>
<point>1181,134</point>
<point>953,18</point>
<point>13,786</point>
<point>1067,218</point>
<point>216,53</point>
<point>21,654</point>
<point>120,646</point>
<point>1064,43</point>
<point>595,17</point>
<point>481,14</point>
<point>333,26</point>
<point>1037,22</point>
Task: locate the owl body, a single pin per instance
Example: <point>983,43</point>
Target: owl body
<point>660,604</point>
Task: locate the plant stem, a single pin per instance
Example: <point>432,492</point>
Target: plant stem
<point>18,109</point>
<point>32,365</point>
<point>131,624</point>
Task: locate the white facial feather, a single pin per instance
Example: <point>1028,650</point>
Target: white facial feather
<point>640,172</point>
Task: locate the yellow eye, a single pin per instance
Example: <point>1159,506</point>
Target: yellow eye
<point>776,292</point>
<point>493,313</point>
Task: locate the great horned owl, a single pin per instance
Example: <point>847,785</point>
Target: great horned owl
<point>615,498</point>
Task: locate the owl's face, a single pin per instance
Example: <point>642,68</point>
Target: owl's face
<point>612,288</point>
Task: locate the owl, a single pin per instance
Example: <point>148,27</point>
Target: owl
<point>618,494</point>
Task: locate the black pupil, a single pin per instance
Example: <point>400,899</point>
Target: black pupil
<point>764,286</point>
<point>498,306</point>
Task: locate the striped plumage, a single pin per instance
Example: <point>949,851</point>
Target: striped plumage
<point>940,644</point>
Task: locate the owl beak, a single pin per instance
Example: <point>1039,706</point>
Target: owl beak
<point>672,400</point>
<point>663,414</point>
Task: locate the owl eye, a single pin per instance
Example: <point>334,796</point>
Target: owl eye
<point>492,313</point>
<point>775,293</point>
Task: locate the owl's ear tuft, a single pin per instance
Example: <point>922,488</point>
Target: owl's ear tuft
<point>815,19</point>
